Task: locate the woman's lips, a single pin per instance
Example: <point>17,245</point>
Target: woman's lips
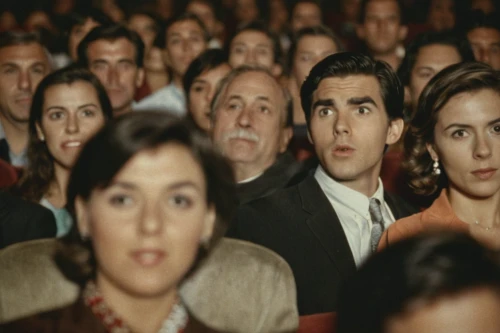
<point>148,258</point>
<point>484,174</point>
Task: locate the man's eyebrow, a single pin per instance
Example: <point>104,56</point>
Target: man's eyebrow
<point>323,102</point>
<point>361,100</point>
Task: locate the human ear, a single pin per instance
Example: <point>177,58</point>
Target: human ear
<point>286,136</point>
<point>432,151</point>
<point>395,130</point>
<point>140,78</point>
<point>208,225</point>
<point>403,32</point>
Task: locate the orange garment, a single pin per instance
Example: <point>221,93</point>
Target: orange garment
<point>439,216</point>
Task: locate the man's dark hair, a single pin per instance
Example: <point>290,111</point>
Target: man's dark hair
<point>414,271</point>
<point>449,38</point>
<point>402,11</point>
<point>350,63</point>
<point>206,61</point>
<point>14,38</point>
<point>82,15</point>
<point>260,26</point>
<point>319,30</point>
<point>111,33</point>
<point>478,19</point>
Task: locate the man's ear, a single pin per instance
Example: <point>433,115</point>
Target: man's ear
<point>286,136</point>
<point>140,77</point>
<point>276,70</point>
<point>432,151</point>
<point>403,32</point>
<point>396,127</point>
<point>82,217</point>
<point>309,137</point>
<point>39,132</point>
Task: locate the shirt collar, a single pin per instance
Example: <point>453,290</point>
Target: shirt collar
<point>354,200</point>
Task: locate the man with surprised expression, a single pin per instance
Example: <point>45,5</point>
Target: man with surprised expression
<point>115,55</point>
<point>24,62</point>
<point>251,124</point>
<point>325,226</point>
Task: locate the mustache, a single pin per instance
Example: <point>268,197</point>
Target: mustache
<point>241,134</point>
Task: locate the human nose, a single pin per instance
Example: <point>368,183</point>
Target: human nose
<point>482,147</point>
<point>151,220</point>
<point>112,77</point>
<point>251,57</point>
<point>341,125</point>
<point>245,117</point>
<point>72,125</point>
<point>24,81</point>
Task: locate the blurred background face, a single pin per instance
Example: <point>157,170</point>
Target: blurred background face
<point>71,115</point>
<point>310,51</point>
<point>7,21</point>
<point>246,11</point>
<point>485,43</point>
<point>22,67</point>
<point>441,15</point>
<point>251,47</point>
<point>202,92</point>
<point>205,13</point>
<point>487,6</point>
<point>145,26</point>
<point>77,33</point>
<point>468,312</point>
<point>114,63</point>
<point>306,14</point>
<point>185,41</point>
<point>382,30</point>
<point>431,59</point>
<point>147,225</point>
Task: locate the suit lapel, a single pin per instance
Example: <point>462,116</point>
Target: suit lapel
<point>325,225</point>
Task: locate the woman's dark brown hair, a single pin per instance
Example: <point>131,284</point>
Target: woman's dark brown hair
<point>40,171</point>
<point>453,80</point>
<point>110,149</point>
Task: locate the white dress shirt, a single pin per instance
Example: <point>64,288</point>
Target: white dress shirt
<point>169,99</point>
<point>352,208</point>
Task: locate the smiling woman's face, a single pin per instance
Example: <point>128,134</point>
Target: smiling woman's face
<point>147,225</point>
<point>71,115</point>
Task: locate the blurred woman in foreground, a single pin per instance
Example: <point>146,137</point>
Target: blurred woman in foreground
<point>150,197</point>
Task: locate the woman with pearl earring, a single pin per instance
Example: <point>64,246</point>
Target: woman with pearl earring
<point>453,146</point>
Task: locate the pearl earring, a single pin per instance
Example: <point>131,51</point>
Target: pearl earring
<point>435,168</point>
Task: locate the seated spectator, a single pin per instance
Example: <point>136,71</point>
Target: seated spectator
<point>382,28</point>
<point>452,147</point>
<point>207,12</point>
<point>80,24</point>
<point>252,125</point>
<point>115,55</point>
<point>185,39</point>
<point>200,83</point>
<point>441,14</point>
<point>486,6</point>
<point>431,283</point>
<point>69,107</point>
<point>310,46</point>
<point>305,14</point>
<point>24,62</point>
<point>326,225</point>
<point>483,33</point>
<point>151,198</point>
<point>148,25</point>
<point>255,44</point>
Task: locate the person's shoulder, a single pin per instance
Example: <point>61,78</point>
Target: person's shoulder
<point>401,229</point>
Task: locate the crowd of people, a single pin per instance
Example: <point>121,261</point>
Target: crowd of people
<point>250,166</point>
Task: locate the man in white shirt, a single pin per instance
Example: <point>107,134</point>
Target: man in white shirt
<point>24,62</point>
<point>325,226</point>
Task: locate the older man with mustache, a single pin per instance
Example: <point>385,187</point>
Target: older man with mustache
<point>252,125</point>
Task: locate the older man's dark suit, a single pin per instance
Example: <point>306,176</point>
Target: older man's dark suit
<point>299,223</point>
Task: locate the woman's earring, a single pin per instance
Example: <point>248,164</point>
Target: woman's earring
<point>435,168</point>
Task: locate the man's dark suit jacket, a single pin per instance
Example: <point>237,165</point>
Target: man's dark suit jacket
<point>21,220</point>
<point>299,224</point>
